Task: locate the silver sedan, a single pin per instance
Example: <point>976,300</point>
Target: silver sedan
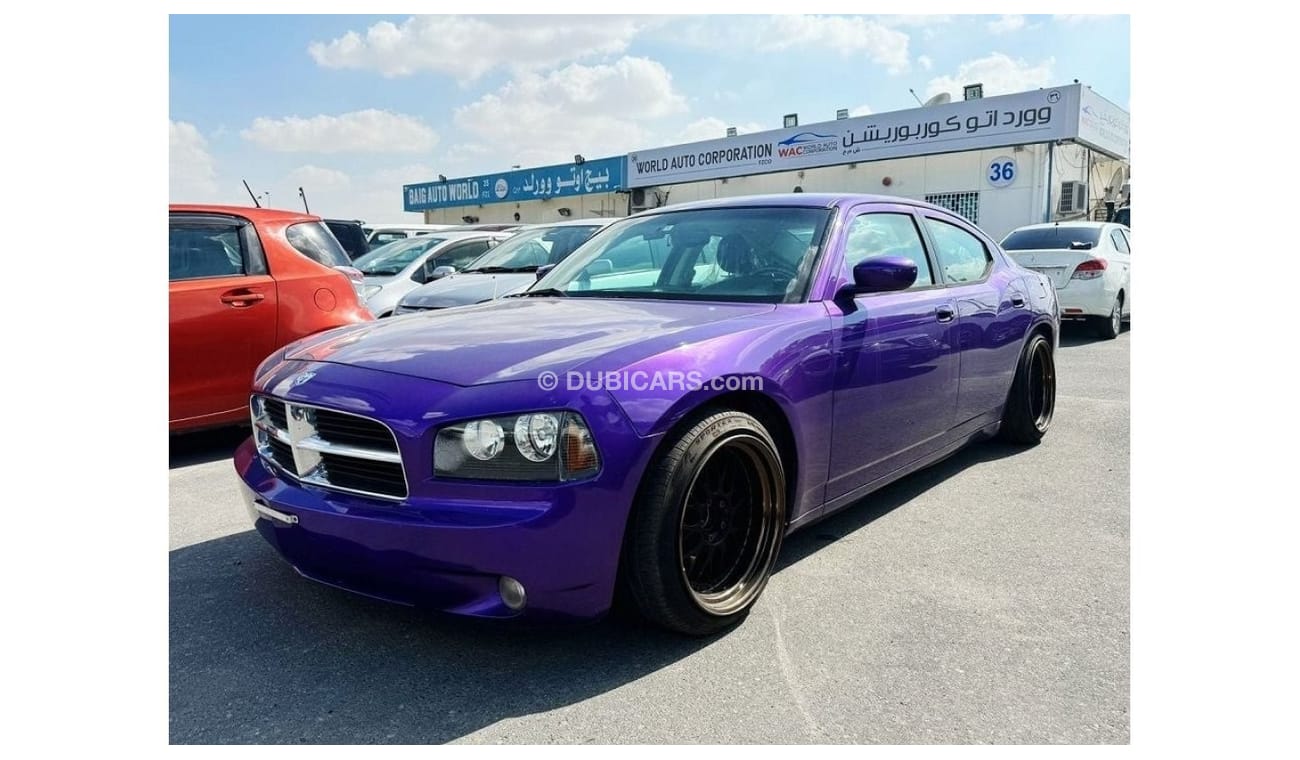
<point>393,270</point>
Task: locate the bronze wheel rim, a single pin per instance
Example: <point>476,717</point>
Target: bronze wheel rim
<point>730,524</point>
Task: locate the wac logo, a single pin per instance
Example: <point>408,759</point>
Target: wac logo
<point>807,143</point>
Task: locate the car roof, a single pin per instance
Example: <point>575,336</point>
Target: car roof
<point>410,226</point>
<point>598,221</point>
<point>250,213</point>
<point>1074,223</point>
<point>796,200</point>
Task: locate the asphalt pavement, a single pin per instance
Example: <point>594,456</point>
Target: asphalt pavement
<point>985,599</point>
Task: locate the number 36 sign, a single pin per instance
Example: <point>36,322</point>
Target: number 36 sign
<point>1001,171</point>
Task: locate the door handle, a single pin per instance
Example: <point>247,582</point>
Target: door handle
<point>944,314</point>
<point>1017,300</point>
<point>241,298</point>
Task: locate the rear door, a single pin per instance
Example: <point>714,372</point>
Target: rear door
<point>222,316</point>
<point>991,315</point>
<point>1123,260</point>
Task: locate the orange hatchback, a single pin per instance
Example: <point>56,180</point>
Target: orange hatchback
<point>244,282</point>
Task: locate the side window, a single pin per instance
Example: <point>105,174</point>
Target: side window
<point>459,256</point>
<point>630,255</point>
<point>315,241</point>
<point>384,238</point>
<point>872,235</point>
<point>961,255</point>
<point>198,249</point>
<point>1117,238</point>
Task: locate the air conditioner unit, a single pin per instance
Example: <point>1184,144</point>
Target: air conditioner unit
<point>1074,198</point>
<point>643,198</point>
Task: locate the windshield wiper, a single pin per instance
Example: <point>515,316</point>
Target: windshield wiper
<point>540,292</point>
<point>489,270</point>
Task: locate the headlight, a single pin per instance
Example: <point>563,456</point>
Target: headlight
<point>370,290</point>
<point>535,446</point>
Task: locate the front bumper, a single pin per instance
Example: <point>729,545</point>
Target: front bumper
<point>447,546</point>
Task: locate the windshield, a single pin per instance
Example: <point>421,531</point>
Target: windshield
<point>763,255</point>
<point>1051,238</point>
<point>393,258</point>
<point>530,249</point>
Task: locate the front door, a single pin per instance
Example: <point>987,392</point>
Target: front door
<point>897,363</point>
<point>223,316</point>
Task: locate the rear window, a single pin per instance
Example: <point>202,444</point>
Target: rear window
<point>316,242</point>
<point>1059,238</point>
<point>351,237</point>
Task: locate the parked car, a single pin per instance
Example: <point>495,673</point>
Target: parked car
<point>659,411</point>
<point>508,269</point>
<point>351,235</point>
<point>1088,262</point>
<point>391,271</point>
<point>383,234</point>
<point>243,283</point>
<point>492,227</point>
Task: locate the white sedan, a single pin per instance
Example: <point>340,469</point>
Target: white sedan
<point>1089,264</point>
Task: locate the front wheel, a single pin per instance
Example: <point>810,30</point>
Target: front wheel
<point>707,526</point>
<point>1032,400</point>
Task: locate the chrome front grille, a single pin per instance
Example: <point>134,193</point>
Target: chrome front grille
<point>329,448</point>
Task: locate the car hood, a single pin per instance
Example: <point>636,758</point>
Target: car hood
<point>465,288</point>
<point>520,338</point>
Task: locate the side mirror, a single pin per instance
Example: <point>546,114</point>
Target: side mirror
<point>440,272</point>
<point>884,274</point>
<point>599,267</point>
<point>544,270</point>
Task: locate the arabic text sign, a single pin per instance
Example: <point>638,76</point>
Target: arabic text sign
<point>603,175</point>
<point>1103,125</point>
<point>1028,117</point>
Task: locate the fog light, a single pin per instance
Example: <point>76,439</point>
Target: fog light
<point>512,593</point>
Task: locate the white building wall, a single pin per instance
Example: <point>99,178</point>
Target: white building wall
<point>1001,209</point>
<point>534,211</point>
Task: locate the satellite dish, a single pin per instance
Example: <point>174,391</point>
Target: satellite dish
<point>938,100</point>
<point>1116,182</point>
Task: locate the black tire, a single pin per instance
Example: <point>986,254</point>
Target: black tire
<point>1032,400</point>
<point>707,526</point>
<point>1109,328</point>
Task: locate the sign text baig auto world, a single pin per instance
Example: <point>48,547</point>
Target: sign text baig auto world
<point>1023,118</point>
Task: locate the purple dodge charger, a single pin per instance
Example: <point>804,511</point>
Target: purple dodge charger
<point>655,414</point>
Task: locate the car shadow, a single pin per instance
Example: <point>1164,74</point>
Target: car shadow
<point>867,510</point>
<point>1074,334</point>
<point>187,449</point>
<point>260,655</point>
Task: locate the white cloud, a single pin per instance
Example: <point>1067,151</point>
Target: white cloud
<point>1004,24</point>
<point>1079,18</point>
<point>926,62</point>
<point>862,110</point>
<point>915,20</point>
<point>368,131</point>
<point>999,73</point>
<point>845,35</point>
<point>467,47</point>
<point>191,170</point>
<point>710,128</point>
<point>310,177</point>
<point>593,110</point>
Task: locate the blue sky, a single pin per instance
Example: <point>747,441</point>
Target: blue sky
<point>352,107</point>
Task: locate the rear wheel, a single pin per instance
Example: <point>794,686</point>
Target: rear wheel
<point>1032,401</point>
<point>707,526</point>
<point>1109,327</point>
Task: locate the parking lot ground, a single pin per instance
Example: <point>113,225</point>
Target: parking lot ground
<point>985,599</point>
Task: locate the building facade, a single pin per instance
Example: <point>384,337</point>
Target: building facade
<point>1003,162</point>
